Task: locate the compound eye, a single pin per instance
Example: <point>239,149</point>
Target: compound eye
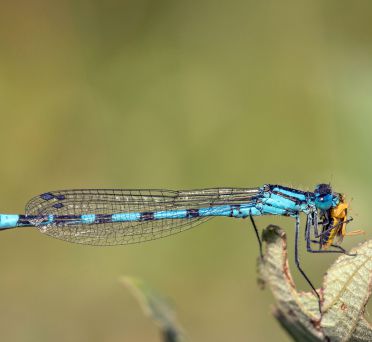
<point>321,199</point>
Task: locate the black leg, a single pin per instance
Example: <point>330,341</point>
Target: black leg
<point>325,218</point>
<point>307,226</point>
<point>297,259</point>
<point>340,249</point>
<point>315,223</point>
<point>307,230</point>
<point>257,235</point>
<point>309,241</point>
<point>325,222</point>
<point>332,245</point>
<point>319,235</point>
<point>322,251</point>
<point>332,227</point>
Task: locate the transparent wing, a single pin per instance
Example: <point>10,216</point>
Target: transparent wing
<point>70,203</point>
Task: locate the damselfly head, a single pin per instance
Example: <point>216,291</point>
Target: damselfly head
<point>323,196</point>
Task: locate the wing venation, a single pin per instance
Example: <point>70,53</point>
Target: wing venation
<point>78,202</point>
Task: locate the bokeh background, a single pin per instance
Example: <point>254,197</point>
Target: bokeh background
<point>173,94</point>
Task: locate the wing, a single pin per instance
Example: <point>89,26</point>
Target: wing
<point>73,203</point>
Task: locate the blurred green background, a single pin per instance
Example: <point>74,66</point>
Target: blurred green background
<point>173,94</point>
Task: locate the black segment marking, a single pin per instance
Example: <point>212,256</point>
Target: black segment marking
<point>296,191</point>
<point>292,190</point>
<point>60,197</point>
<point>192,213</point>
<point>47,196</point>
<point>234,207</point>
<point>147,216</point>
<point>103,218</point>
<point>293,199</point>
<point>68,217</point>
<point>58,222</point>
<point>57,205</point>
<point>26,219</point>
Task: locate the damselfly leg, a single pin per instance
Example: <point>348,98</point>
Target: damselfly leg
<point>297,258</point>
<point>257,235</point>
<point>313,222</point>
<point>308,239</point>
<point>341,249</point>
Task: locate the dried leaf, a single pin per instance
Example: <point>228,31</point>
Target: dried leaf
<point>346,290</point>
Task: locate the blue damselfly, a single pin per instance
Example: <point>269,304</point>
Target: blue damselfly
<point>112,217</point>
